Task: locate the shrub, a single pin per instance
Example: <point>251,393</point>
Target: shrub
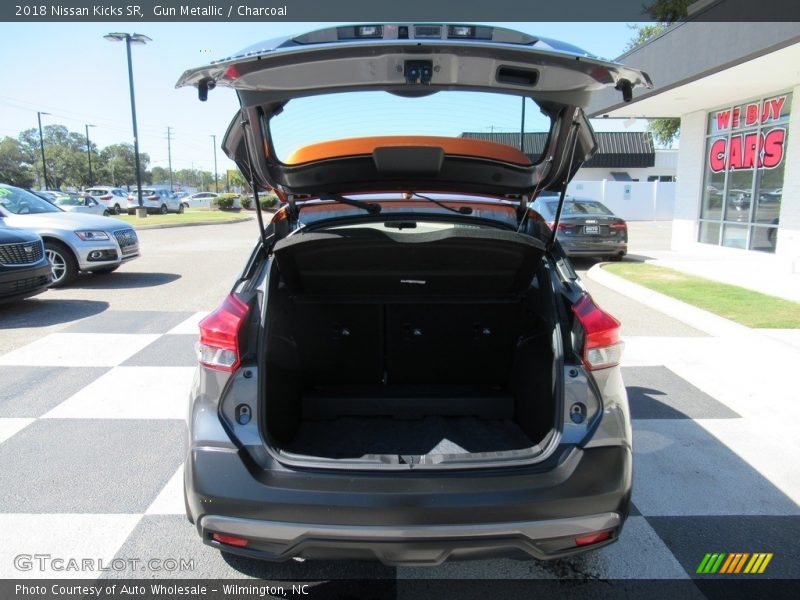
<point>246,202</point>
<point>224,201</point>
<point>268,201</point>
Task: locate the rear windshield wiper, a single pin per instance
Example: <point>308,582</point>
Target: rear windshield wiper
<point>461,210</point>
<point>371,207</point>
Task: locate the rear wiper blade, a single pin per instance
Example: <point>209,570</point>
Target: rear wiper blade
<point>371,207</point>
<point>461,210</point>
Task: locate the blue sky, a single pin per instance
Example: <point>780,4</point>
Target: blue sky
<point>70,71</point>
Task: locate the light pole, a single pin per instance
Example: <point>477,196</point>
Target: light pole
<point>41,145</point>
<point>216,177</point>
<point>132,38</point>
<point>89,154</point>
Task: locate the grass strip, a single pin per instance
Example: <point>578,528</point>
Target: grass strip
<point>744,306</point>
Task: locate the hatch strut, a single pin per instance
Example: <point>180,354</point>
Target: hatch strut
<point>265,242</point>
<point>563,194</point>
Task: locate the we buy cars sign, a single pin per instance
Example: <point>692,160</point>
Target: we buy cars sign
<point>749,150</point>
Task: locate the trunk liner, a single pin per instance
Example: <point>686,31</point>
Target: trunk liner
<point>354,437</point>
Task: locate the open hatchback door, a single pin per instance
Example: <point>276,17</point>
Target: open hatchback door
<point>411,62</point>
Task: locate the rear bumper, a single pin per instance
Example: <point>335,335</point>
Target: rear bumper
<point>594,247</point>
<point>409,518</point>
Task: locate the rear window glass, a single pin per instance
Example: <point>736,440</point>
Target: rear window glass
<point>580,207</point>
<point>476,115</point>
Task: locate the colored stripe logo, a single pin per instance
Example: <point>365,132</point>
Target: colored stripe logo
<point>734,563</point>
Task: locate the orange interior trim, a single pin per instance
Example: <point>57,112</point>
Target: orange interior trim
<point>365,145</point>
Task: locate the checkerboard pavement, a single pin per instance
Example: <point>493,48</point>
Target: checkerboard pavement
<point>91,446</point>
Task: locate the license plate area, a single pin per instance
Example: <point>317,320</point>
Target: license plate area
<point>591,229</point>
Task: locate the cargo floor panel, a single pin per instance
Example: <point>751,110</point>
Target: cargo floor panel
<point>354,437</point>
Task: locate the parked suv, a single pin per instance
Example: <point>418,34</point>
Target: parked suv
<point>73,242</point>
<point>155,200</point>
<point>408,368</point>
<point>24,270</point>
<point>114,198</point>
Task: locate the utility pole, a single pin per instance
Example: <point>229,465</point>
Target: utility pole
<point>89,154</point>
<point>216,177</point>
<point>169,156</point>
<point>41,145</point>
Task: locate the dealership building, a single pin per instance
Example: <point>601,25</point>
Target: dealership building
<point>736,89</point>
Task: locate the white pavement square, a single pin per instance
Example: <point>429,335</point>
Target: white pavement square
<point>61,536</point>
<point>170,500</point>
<point>131,393</point>
<point>79,350</point>
<point>9,427</point>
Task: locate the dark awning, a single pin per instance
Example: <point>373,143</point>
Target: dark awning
<point>615,149</point>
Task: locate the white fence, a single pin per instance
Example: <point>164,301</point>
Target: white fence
<point>631,200</point>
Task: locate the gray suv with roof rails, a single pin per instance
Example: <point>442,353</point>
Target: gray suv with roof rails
<point>407,369</point>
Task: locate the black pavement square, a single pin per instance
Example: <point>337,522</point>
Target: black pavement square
<point>33,391</point>
<point>167,351</point>
<point>88,465</point>
<point>129,321</point>
<point>690,538</point>
<point>658,393</point>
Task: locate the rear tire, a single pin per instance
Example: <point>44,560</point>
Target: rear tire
<point>616,257</point>
<point>164,210</point>
<point>117,209</point>
<point>62,262</point>
<point>181,209</point>
<point>106,213</point>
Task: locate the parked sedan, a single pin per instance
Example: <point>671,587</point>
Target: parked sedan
<point>586,227</point>
<point>200,199</point>
<point>82,203</point>
<point>24,269</point>
<point>155,200</point>
<point>72,242</point>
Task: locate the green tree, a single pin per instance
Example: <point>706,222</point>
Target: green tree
<point>117,165</point>
<point>14,166</point>
<point>159,175</point>
<point>65,153</point>
<point>664,12</point>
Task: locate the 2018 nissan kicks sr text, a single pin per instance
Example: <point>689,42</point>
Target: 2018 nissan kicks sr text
<point>408,368</point>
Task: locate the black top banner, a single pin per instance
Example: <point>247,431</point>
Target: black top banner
<point>384,11</point>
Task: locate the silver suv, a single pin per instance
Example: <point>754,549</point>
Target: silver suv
<point>73,242</point>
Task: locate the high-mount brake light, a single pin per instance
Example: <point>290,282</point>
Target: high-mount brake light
<point>602,346</point>
<point>369,31</point>
<point>460,31</point>
<point>218,347</point>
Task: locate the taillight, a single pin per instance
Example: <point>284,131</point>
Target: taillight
<point>106,197</point>
<point>602,347</point>
<point>619,225</point>
<point>219,336</point>
<point>563,226</point>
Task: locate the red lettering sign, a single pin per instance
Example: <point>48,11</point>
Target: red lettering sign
<point>773,148</point>
<point>748,151</point>
<point>754,114</point>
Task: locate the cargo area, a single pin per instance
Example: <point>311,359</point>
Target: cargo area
<point>409,347</point>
